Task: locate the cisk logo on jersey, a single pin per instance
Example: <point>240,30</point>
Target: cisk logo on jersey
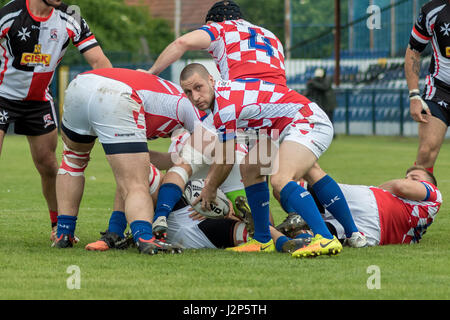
<point>447,52</point>
<point>36,58</point>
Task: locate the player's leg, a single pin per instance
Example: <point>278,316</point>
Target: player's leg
<point>330,196</point>
<point>43,148</point>
<point>70,187</point>
<point>295,160</point>
<point>258,197</point>
<point>431,136</point>
<point>2,138</point>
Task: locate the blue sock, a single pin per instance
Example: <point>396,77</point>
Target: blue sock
<point>168,196</point>
<point>258,197</point>
<point>303,236</point>
<point>117,223</point>
<point>331,197</point>
<point>303,203</point>
<point>141,230</point>
<point>66,225</point>
<point>280,242</point>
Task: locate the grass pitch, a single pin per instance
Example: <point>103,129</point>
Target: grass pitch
<point>31,269</point>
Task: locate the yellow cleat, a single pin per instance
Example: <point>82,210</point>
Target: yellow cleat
<point>254,246</point>
<point>318,246</point>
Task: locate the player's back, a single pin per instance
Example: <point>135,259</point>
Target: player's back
<point>258,104</point>
<point>243,50</point>
<point>164,105</point>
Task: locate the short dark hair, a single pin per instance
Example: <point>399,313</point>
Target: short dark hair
<point>224,10</point>
<point>431,176</point>
<point>192,68</point>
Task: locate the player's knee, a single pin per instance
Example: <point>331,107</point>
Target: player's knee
<point>46,164</point>
<point>74,162</point>
<point>278,181</point>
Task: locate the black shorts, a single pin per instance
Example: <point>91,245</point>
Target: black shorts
<point>30,118</point>
<point>219,231</point>
<point>439,110</point>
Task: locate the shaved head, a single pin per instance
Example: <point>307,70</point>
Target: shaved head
<point>193,68</point>
<point>198,85</point>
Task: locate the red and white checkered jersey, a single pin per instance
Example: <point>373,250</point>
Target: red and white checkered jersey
<point>243,105</point>
<point>163,103</point>
<point>32,47</point>
<point>242,50</point>
<point>405,221</point>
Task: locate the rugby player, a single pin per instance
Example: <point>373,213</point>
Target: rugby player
<point>431,107</point>
<point>123,108</point>
<point>34,36</point>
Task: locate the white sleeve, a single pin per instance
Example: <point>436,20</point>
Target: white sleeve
<point>187,114</point>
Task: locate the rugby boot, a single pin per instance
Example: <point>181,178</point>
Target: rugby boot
<point>319,246</point>
<point>154,246</point>
<point>160,228</point>
<point>254,246</point>
<point>357,240</point>
<point>53,236</point>
<point>293,245</point>
<point>292,225</point>
<point>64,241</point>
<point>245,214</point>
<point>108,240</point>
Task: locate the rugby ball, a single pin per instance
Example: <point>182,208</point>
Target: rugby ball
<point>192,192</point>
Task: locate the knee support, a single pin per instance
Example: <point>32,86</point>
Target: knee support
<point>154,179</point>
<point>71,168</point>
<point>181,172</point>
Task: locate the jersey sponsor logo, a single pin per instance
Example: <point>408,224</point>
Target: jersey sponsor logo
<point>447,52</point>
<point>48,120</point>
<point>36,58</point>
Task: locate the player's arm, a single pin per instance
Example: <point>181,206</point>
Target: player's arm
<point>412,71</point>
<point>407,189</point>
<point>218,172</point>
<point>96,58</point>
<point>194,40</point>
<point>420,36</point>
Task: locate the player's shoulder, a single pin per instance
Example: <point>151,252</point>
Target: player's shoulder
<point>432,5</point>
<point>66,9</point>
<point>12,6</point>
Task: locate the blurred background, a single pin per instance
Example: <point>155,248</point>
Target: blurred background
<point>359,45</point>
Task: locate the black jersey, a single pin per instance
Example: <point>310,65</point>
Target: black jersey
<point>433,25</point>
<point>31,47</point>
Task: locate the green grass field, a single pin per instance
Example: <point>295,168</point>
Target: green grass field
<point>31,269</point>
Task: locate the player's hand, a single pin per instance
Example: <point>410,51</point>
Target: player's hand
<point>142,70</point>
<point>207,196</point>
<point>415,108</point>
<point>232,215</point>
<point>195,215</point>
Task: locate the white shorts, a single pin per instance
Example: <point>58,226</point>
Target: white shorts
<point>102,107</point>
<point>364,209</point>
<point>185,231</point>
<point>315,135</point>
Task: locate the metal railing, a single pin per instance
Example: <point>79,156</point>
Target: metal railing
<point>373,112</point>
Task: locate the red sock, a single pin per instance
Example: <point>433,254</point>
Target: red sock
<point>53,217</point>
